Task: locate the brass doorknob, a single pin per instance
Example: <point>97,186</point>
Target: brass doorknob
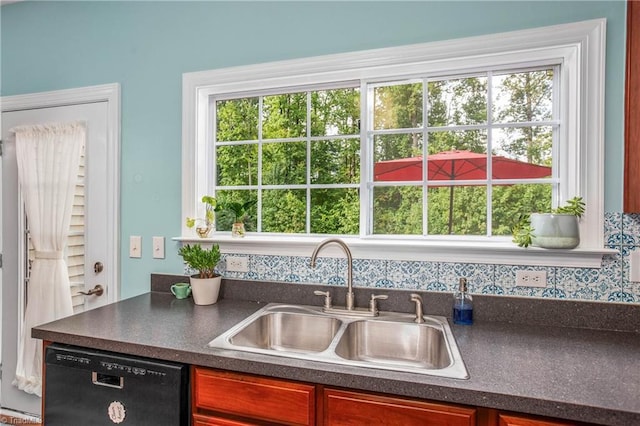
<point>97,290</point>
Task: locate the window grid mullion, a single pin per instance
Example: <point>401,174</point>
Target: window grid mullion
<point>425,153</point>
<point>308,179</point>
<point>366,160</point>
<point>259,187</point>
<point>489,204</point>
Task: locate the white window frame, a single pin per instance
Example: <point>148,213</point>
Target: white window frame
<point>579,47</point>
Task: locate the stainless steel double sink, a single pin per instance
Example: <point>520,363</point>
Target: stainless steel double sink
<point>389,341</point>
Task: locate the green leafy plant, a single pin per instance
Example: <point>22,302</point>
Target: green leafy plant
<point>239,210</point>
<point>574,206</point>
<point>523,232</point>
<point>210,209</point>
<point>203,260</point>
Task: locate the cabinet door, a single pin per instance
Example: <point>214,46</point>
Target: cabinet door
<point>254,397</point>
<point>632,111</point>
<point>347,408</point>
<point>522,420</point>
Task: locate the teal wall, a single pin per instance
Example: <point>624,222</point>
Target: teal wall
<point>147,46</point>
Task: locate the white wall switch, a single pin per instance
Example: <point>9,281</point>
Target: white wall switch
<point>135,246</point>
<point>158,247</point>
<point>237,264</point>
<point>525,278</point>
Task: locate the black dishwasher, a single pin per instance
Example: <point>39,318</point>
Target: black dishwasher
<point>90,387</point>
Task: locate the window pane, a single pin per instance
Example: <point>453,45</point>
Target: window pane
<point>335,112</point>
<point>397,210</point>
<point>458,101</point>
<point>397,157</point>
<point>284,210</point>
<point>237,165</point>
<point>523,96</point>
<point>237,120</point>
<point>284,116</point>
<point>528,144</point>
<point>335,161</point>
<point>467,140</point>
<point>335,211</point>
<point>397,107</point>
<point>510,201</point>
<point>284,163</point>
<point>225,218</point>
<point>457,210</point>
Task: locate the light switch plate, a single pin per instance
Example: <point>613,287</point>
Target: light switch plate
<point>158,247</point>
<point>135,246</point>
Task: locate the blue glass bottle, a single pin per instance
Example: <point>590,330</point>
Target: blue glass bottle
<point>462,305</point>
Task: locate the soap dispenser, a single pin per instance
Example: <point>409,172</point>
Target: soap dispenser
<point>462,304</point>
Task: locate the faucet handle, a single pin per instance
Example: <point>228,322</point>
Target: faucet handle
<point>373,305</point>
<point>327,298</point>
<point>419,313</point>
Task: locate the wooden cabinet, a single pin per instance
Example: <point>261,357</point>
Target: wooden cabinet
<point>521,420</point>
<point>355,408</point>
<point>632,111</point>
<point>224,398</point>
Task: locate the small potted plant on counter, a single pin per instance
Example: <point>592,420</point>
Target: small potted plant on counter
<point>205,285</point>
<point>206,224</point>
<point>558,229</point>
<point>239,211</point>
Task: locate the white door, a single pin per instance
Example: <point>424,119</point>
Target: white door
<point>92,249</point>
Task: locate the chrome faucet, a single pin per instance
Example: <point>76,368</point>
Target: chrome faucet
<point>419,312</point>
<point>349,304</point>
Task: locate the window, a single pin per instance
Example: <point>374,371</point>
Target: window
<point>296,154</point>
<point>392,146</point>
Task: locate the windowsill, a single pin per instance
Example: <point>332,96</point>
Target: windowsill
<point>504,252</point>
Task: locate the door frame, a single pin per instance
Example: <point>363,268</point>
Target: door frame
<point>109,93</point>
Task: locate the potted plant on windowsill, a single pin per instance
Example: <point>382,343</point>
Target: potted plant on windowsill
<point>204,226</point>
<point>557,229</point>
<point>205,285</point>
<point>239,211</point>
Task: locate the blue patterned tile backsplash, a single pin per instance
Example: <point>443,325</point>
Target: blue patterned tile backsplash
<point>609,283</point>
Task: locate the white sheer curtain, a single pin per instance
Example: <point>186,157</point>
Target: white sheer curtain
<point>48,159</point>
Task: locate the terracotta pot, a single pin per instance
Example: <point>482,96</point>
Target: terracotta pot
<point>205,290</point>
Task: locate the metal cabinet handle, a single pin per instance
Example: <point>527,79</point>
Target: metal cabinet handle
<point>97,290</point>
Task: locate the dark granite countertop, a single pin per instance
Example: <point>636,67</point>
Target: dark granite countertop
<point>572,373</point>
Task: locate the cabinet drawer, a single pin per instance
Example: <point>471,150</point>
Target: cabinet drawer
<point>200,420</point>
<point>512,420</point>
<point>254,397</point>
<point>354,408</point>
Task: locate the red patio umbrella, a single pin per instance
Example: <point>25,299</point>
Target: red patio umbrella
<point>457,165</point>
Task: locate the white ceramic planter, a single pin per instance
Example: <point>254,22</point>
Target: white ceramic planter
<point>205,290</point>
<point>558,231</point>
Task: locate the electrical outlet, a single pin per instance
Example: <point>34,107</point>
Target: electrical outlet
<point>531,278</point>
<point>237,264</point>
